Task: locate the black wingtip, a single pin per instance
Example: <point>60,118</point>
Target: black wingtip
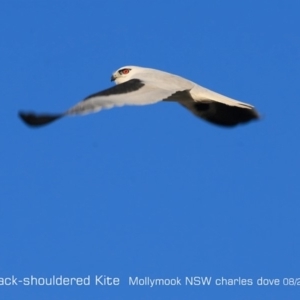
<point>225,115</point>
<point>35,120</point>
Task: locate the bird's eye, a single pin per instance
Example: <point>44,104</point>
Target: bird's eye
<point>125,71</point>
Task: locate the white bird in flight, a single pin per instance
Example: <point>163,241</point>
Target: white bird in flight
<point>141,86</point>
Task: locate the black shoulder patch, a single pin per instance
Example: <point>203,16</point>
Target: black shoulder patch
<point>201,106</point>
<point>180,96</point>
<point>123,88</point>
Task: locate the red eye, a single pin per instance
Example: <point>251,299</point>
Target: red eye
<point>125,71</point>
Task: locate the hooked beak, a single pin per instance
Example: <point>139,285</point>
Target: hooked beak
<point>112,78</point>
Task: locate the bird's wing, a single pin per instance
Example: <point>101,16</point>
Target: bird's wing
<point>216,108</point>
<point>131,92</point>
<point>220,113</point>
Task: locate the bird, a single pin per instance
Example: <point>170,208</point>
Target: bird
<point>142,86</point>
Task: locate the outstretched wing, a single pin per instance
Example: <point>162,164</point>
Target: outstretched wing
<point>220,113</point>
<point>131,92</point>
<point>216,108</point>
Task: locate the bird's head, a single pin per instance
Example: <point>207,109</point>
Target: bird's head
<point>125,73</point>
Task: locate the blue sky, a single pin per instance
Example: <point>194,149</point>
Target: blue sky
<point>150,191</point>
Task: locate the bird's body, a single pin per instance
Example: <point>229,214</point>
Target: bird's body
<point>141,86</point>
